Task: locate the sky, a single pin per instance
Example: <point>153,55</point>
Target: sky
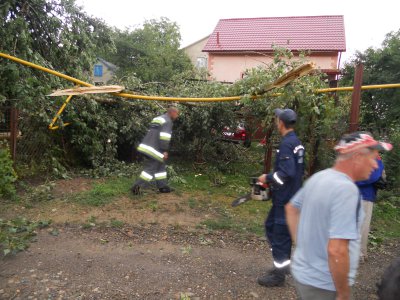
<point>366,22</point>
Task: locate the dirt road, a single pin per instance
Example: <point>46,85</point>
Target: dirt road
<point>153,262</point>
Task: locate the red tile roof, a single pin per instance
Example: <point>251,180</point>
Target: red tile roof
<point>318,33</point>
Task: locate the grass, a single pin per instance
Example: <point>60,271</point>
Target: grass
<point>210,192</point>
<point>90,222</point>
<point>153,205</point>
<point>116,223</point>
<point>247,218</point>
<point>386,218</point>
<point>192,202</point>
<point>105,192</point>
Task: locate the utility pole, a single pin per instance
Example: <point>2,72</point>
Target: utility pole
<point>356,98</point>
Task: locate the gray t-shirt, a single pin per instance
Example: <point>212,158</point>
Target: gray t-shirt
<point>329,205</point>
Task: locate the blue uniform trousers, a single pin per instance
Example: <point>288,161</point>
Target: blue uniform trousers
<point>278,234</point>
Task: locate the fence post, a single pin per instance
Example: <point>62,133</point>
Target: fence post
<point>13,132</point>
<point>268,150</point>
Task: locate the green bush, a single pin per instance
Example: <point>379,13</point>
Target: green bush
<point>7,173</point>
<point>391,160</point>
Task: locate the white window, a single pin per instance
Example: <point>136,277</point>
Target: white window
<point>201,62</point>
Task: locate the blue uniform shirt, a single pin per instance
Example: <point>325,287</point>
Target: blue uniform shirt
<point>287,177</point>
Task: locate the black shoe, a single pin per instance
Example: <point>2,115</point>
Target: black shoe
<point>166,189</point>
<point>284,270</point>
<point>274,278</point>
<point>136,190</point>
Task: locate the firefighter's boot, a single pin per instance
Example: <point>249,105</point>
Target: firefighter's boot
<point>275,277</point>
<point>166,189</point>
<point>136,190</point>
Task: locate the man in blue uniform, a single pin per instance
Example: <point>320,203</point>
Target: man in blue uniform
<point>368,191</point>
<point>155,147</point>
<point>284,182</point>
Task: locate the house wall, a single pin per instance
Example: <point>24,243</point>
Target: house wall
<point>230,67</point>
<point>194,51</point>
<point>107,74</point>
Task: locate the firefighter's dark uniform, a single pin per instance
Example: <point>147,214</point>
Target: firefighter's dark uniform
<point>153,146</point>
<point>285,181</point>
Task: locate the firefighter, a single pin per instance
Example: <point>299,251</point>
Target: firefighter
<point>284,182</point>
<point>155,147</point>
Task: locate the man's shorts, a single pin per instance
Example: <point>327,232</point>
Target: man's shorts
<point>308,292</point>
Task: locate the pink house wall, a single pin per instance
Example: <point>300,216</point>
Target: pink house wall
<point>230,67</point>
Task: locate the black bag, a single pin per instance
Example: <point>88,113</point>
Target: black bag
<point>381,183</point>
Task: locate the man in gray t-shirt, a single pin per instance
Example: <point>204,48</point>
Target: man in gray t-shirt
<point>325,217</point>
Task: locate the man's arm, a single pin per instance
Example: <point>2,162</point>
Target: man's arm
<point>292,219</point>
<point>339,265</point>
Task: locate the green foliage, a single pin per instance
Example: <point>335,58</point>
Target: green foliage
<point>174,177</point>
<point>391,159</point>
<point>112,169</point>
<point>151,51</point>
<point>39,193</point>
<point>57,34</point>
<point>385,219</point>
<point>16,234</point>
<point>54,34</point>
<point>198,131</point>
<point>321,119</point>
<point>379,108</point>
<point>7,173</point>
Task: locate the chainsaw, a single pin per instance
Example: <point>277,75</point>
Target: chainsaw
<point>259,191</point>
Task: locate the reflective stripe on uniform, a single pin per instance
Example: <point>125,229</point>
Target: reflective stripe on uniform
<point>158,120</point>
<point>146,176</point>
<point>277,179</point>
<point>165,136</point>
<point>151,151</point>
<point>160,176</point>
<point>282,265</point>
<point>299,147</point>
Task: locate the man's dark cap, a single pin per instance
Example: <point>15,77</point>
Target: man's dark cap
<point>287,115</point>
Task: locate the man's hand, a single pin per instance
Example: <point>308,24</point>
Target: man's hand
<point>339,265</point>
<point>343,298</point>
<point>263,178</point>
<point>165,155</point>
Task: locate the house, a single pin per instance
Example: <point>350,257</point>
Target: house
<point>103,71</point>
<point>195,52</point>
<point>240,44</point>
